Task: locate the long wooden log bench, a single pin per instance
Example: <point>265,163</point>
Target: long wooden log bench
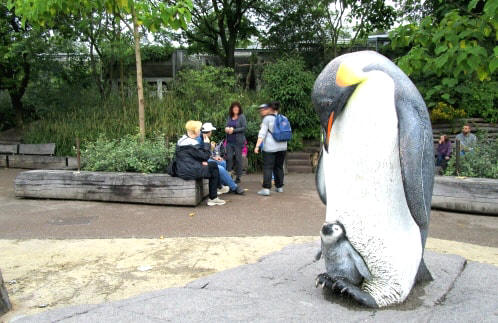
<point>34,156</point>
<point>159,189</point>
<point>470,195</point>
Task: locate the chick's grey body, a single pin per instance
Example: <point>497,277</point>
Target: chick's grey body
<point>345,268</point>
<point>342,260</point>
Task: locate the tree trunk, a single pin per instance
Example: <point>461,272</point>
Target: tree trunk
<point>230,52</point>
<point>121,83</point>
<point>96,75</point>
<point>138,59</point>
<point>15,98</point>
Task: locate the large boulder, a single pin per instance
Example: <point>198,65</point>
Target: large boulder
<point>5,305</point>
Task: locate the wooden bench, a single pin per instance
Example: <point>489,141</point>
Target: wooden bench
<point>110,187</point>
<point>34,156</point>
<point>469,195</point>
<point>9,149</point>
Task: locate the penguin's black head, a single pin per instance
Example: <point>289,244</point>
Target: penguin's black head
<point>332,232</point>
<point>333,88</point>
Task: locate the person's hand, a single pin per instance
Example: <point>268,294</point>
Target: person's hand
<point>218,158</point>
<point>230,131</point>
<point>204,163</point>
<point>447,157</point>
<point>227,129</point>
<point>256,150</point>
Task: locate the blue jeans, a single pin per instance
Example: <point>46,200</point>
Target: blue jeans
<point>225,177</point>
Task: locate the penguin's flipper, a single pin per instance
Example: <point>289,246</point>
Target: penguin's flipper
<point>320,179</point>
<point>417,160</point>
<point>360,264</point>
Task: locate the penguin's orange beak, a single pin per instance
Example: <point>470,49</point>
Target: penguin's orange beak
<point>329,128</point>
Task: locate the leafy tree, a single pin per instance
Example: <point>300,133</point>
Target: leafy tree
<point>310,25</point>
<point>288,82</point>
<point>151,14</point>
<point>416,10</point>
<point>217,26</point>
<point>18,46</point>
<point>455,60</point>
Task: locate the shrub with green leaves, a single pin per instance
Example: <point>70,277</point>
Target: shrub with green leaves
<point>481,162</point>
<point>288,82</point>
<point>128,154</point>
<point>454,60</point>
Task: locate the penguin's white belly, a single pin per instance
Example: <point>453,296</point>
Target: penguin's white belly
<point>365,190</point>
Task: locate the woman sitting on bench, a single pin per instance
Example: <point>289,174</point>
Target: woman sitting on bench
<point>192,160</point>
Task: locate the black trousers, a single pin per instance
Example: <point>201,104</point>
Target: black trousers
<point>273,163</point>
<point>234,158</point>
<point>212,173</point>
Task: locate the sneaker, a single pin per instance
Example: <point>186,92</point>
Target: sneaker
<point>239,190</point>
<point>264,192</point>
<point>216,201</point>
<point>223,190</point>
<point>279,189</point>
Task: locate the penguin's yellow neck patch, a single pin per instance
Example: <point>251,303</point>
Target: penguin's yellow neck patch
<point>348,75</point>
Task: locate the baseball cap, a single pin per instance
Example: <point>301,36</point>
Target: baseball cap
<point>207,127</point>
<point>264,106</point>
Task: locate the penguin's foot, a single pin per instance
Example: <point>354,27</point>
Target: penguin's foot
<point>324,280</point>
<point>353,291</point>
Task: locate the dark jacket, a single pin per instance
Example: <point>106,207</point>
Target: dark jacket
<point>189,156</point>
<point>240,129</point>
<point>444,149</point>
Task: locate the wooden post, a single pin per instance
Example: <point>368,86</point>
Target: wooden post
<point>78,154</point>
<point>173,64</point>
<point>457,161</point>
<point>5,305</point>
<point>159,89</point>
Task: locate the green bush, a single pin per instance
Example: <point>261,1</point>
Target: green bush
<point>288,82</point>
<point>128,154</point>
<point>482,162</point>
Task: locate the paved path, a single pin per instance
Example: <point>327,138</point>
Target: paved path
<point>179,248</point>
<point>280,288</point>
<point>297,212</point>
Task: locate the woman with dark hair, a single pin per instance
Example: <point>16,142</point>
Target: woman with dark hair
<point>235,130</point>
<point>443,151</point>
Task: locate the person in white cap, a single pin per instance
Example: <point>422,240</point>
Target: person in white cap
<point>226,180</point>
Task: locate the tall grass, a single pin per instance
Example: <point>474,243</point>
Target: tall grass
<point>109,117</point>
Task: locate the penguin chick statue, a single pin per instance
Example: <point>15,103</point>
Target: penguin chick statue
<point>344,266</point>
<point>376,171</point>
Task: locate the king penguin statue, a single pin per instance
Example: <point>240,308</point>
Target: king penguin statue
<point>376,171</point>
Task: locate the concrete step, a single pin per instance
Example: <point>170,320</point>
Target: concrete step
<point>298,155</point>
<point>299,169</point>
<point>311,149</point>
<point>298,162</point>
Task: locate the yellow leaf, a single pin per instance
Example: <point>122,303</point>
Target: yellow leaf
<point>462,44</point>
<point>191,214</point>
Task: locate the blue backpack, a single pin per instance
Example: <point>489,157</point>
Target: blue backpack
<point>282,130</point>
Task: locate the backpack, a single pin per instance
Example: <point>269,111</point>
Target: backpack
<point>282,130</point>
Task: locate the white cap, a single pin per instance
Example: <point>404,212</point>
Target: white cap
<point>207,127</point>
